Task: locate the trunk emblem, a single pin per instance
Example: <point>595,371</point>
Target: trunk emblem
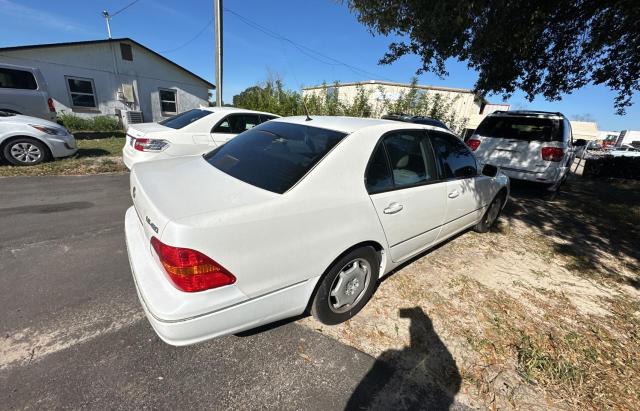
<point>153,226</point>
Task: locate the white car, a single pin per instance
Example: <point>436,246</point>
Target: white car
<point>526,145</point>
<point>26,141</point>
<point>624,151</point>
<point>296,214</point>
<point>23,90</point>
<point>193,132</point>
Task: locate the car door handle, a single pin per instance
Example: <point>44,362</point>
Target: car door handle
<point>393,208</point>
<point>454,194</point>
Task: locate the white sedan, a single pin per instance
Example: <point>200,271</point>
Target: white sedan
<point>296,215</point>
<point>193,132</point>
<point>27,141</point>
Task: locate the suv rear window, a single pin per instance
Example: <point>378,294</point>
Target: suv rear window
<point>184,119</point>
<point>521,128</point>
<point>19,79</point>
<point>274,155</point>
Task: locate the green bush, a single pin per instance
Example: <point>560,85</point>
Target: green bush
<point>98,123</point>
<point>272,97</point>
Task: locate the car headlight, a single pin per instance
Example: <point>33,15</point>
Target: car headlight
<point>50,130</point>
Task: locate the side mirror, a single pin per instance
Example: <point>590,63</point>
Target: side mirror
<point>489,170</point>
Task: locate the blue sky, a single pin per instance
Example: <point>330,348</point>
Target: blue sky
<point>326,26</point>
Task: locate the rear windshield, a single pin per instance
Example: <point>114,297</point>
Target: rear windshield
<point>19,79</point>
<point>521,128</point>
<point>274,155</point>
<point>184,119</point>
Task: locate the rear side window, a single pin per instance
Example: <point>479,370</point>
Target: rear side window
<point>20,79</point>
<point>454,156</point>
<point>403,159</point>
<point>237,123</point>
<point>522,128</point>
<point>274,155</point>
<point>184,119</point>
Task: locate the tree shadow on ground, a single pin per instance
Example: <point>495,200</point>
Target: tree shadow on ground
<point>423,375</point>
<point>592,221</point>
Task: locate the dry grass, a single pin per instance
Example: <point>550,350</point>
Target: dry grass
<point>93,157</point>
<point>542,313</point>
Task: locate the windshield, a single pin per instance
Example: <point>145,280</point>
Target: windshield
<point>184,119</point>
<point>521,128</point>
<point>274,155</point>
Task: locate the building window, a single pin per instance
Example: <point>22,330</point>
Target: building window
<point>168,104</point>
<point>82,92</point>
<point>126,52</point>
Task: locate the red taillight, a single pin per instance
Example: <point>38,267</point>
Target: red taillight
<point>140,143</point>
<point>190,270</point>
<point>552,153</point>
<point>473,144</point>
<point>52,108</point>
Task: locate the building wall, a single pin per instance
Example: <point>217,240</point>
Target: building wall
<point>465,104</point>
<point>587,130</point>
<point>103,64</point>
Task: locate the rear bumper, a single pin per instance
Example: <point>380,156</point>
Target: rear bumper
<point>549,176</point>
<point>131,156</point>
<point>181,318</point>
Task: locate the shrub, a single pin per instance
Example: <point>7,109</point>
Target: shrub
<point>98,123</point>
<point>610,166</point>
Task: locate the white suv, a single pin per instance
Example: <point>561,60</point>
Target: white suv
<point>24,91</point>
<point>527,145</point>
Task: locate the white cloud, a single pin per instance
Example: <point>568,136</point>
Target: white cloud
<point>18,11</point>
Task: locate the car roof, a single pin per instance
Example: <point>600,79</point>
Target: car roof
<point>229,110</point>
<point>527,113</point>
<point>349,124</point>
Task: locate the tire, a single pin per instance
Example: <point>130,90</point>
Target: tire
<point>347,286</point>
<point>491,215</point>
<point>25,151</point>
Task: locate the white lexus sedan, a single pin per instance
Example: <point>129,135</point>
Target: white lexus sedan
<point>296,215</point>
<point>193,132</point>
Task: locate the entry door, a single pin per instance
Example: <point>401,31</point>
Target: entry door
<point>404,188</point>
<point>467,192</point>
<point>232,125</point>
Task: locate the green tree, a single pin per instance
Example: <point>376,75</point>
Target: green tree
<point>540,47</point>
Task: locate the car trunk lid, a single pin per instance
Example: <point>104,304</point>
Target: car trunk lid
<point>169,190</point>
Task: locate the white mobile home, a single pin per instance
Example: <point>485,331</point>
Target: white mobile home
<point>119,77</point>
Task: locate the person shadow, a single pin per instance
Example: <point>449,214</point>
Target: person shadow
<point>422,376</point>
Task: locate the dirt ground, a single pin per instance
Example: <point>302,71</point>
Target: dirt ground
<point>543,312</point>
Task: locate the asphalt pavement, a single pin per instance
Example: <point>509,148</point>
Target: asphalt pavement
<point>73,333</point>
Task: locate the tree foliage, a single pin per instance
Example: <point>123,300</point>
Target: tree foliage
<point>541,47</point>
<point>271,96</point>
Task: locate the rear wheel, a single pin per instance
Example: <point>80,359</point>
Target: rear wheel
<point>25,152</point>
<point>491,215</point>
<point>346,287</point>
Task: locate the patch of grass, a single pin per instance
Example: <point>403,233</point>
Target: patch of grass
<point>98,123</point>
<point>93,157</point>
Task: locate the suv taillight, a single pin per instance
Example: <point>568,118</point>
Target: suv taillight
<point>473,144</point>
<point>52,108</point>
<point>552,153</point>
<point>190,270</point>
<point>149,144</point>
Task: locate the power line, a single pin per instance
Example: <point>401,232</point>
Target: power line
<point>124,8</point>
<point>186,43</point>
<point>309,52</point>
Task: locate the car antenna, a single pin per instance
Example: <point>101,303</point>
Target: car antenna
<point>306,110</point>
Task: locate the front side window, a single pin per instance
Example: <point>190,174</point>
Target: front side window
<point>82,92</point>
<point>184,119</point>
<point>237,123</point>
<point>274,155</point>
<point>454,156</point>
<point>168,103</point>
<point>20,79</point>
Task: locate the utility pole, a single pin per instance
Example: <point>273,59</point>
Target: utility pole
<point>107,18</point>
<point>217,14</point>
